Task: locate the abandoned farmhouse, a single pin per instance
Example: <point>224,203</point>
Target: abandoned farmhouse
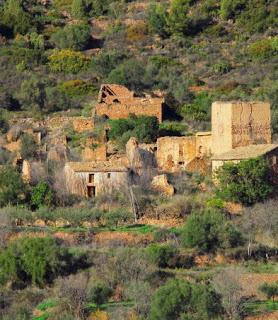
<point>239,130</point>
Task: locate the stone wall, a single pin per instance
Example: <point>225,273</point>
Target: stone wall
<point>95,154</point>
<point>122,111</point>
<point>236,124</point>
<point>174,153</point>
<point>104,182</point>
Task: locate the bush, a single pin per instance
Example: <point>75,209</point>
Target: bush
<point>75,37</point>
<point>78,9</point>
<point>28,147</point>
<point>77,88</point>
<point>41,195</point>
<point>137,32</point>
<point>68,61</point>
<point>106,61</point>
<point>99,294</point>
<point>179,299</point>
<point>157,19</point>
<point>270,290</point>
<point>15,17</point>
<point>208,231</point>
<point>12,188</point>
<point>247,182</point>
<point>161,254</point>
<point>144,128</point>
<point>263,49</point>
<point>199,109</point>
<point>130,74</point>
<point>34,259</point>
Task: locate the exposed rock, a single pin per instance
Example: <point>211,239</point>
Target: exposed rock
<point>26,171</point>
<point>160,183</point>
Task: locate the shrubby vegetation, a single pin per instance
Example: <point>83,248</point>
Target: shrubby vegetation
<point>247,182</point>
<point>144,128</point>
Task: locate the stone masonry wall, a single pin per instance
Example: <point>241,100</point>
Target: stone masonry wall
<point>236,124</point>
<point>122,111</point>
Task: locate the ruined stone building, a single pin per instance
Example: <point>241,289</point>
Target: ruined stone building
<point>268,151</point>
<point>238,124</point>
<point>90,179</point>
<point>241,131</point>
<point>116,102</point>
<point>178,153</point>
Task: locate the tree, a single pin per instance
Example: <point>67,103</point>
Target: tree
<point>208,231</point>
<point>78,9</point>
<point>170,300</point>
<point>227,284</point>
<point>247,182</point>
<point>75,37</point>
<point>12,188</point>
<point>28,147</point>
<point>270,290</point>
<point>179,299</point>
<point>230,8</point>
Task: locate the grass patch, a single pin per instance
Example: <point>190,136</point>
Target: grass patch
<point>49,303</point>
<point>259,307</point>
<point>259,267</point>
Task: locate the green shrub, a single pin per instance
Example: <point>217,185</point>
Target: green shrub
<point>75,37</point>
<point>231,8</point>
<point>179,299</point>
<point>263,49</point>
<point>270,290</point>
<point>78,9</point>
<point>4,125</point>
<point>15,17</point>
<point>41,195</point>
<point>130,73</point>
<point>77,88</point>
<point>144,128</point>
<point>157,19</point>
<point>106,61</point>
<point>171,128</point>
<point>34,259</point>
<point>160,255</point>
<point>199,109</point>
<point>247,182</point>
<point>12,188</point>
<point>99,293</point>
<point>116,217</point>
<point>68,61</point>
<point>208,231</point>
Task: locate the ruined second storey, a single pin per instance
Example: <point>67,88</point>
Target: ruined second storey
<point>117,102</point>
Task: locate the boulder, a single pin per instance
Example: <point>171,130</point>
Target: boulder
<point>160,183</point>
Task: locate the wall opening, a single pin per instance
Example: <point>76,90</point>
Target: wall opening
<point>91,178</point>
<point>91,192</point>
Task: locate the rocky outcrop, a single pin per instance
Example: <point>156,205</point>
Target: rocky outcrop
<point>160,183</point>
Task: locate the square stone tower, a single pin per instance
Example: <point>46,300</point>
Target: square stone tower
<point>237,124</point>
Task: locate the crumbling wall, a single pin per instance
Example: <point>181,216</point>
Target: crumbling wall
<point>203,144</point>
<point>160,183</point>
<point>122,111</point>
<point>238,124</point>
<point>99,153</point>
<point>174,153</point>
<point>81,124</point>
